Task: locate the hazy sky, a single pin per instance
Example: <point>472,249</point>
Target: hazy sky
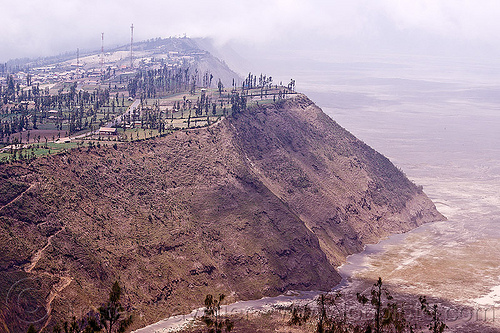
<point>34,27</point>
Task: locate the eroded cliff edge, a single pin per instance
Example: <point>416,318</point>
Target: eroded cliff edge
<point>345,192</point>
<point>269,199</point>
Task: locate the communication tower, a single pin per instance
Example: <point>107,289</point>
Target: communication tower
<point>102,51</point>
<point>132,46</point>
<point>77,63</point>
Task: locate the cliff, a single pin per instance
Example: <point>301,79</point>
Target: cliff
<point>268,200</point>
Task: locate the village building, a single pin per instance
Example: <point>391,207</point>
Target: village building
<point>107,131</point>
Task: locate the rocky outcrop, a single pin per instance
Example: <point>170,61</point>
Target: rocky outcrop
<point>268,200</point>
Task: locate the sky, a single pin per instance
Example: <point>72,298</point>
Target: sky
<point>32,28</point>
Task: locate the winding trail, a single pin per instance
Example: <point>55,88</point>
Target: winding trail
<point>57,288</point>
<point>19,196</point>
<point>64,281</point>
<point>38,254</point>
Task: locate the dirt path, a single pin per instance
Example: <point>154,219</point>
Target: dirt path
<point>38,254</point>
<point>56,289</point>
<point>64,281</point>
<point>19,196</point>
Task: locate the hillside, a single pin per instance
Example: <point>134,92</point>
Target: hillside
<point>268,200</point>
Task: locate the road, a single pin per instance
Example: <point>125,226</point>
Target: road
<point>112,123</point>
<point>118,119</point>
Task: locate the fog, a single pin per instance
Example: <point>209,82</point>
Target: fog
<point>465,28</point>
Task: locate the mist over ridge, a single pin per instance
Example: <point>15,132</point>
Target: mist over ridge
<point>442,28</point>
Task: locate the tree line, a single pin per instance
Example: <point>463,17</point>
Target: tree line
<point>384,315</point>
<point>330,314</point>
<point>154,83</point>
<point>27,109</point>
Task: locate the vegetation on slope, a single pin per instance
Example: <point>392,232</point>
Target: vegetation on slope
<point>265,201</point>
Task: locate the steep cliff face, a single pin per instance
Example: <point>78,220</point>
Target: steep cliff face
<point>268,200</point>
<point>345,192</point>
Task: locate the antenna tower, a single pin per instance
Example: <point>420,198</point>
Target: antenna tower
<point>102,51</point>
<point>131,46</point>
<point>77,62</point>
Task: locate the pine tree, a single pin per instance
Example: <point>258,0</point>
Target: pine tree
<point>111,313</point>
